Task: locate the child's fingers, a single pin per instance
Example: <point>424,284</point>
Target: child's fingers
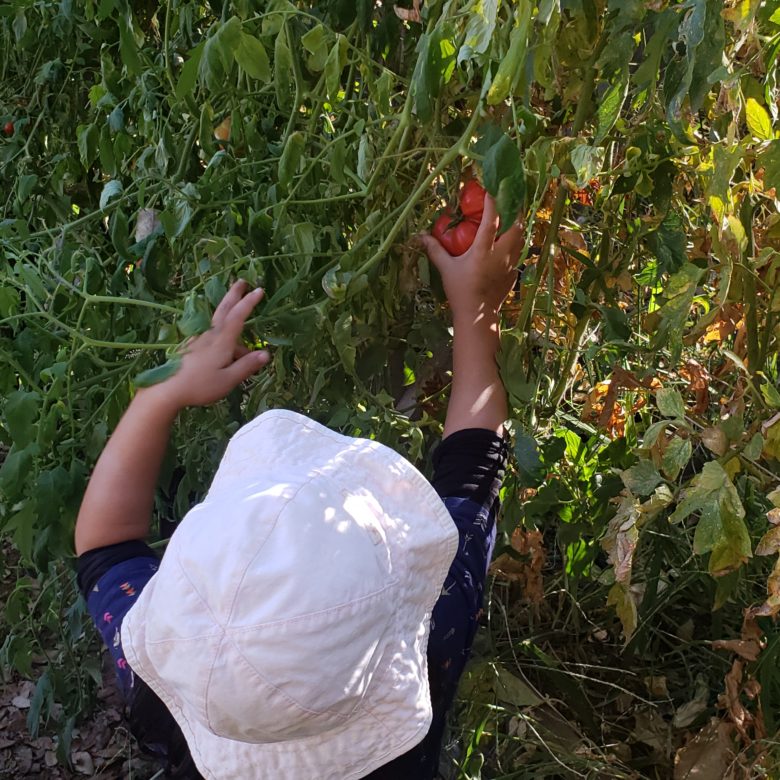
<point>232,297</point>
<point>437,254</point>
<point>244,367</point>
<point>240,351</point>
<point>234,320</point>
<point>511,242</point>
<point>486,235</point>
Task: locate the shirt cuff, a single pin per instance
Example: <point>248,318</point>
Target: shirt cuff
<point>93,564</point>
<point>471,463</point>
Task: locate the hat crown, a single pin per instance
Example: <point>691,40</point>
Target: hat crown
<point>292,635</point>
<point>338,684</point>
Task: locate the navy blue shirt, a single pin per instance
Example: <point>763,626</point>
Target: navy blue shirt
<point>468,470</point>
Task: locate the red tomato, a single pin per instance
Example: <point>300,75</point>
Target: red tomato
<point>441,229</point>
<point>464,235</point>
<point>472,199</point>
<point>456,239</point>
<point>8,128</point>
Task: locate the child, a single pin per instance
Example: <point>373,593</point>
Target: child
<point>312,616</point>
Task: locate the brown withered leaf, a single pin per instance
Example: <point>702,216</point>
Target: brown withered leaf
<point>620,539</point>
<point>749,723</point>
<point>527,572</point>
<point>708,755</point>
<point>770,541</point>
<point>749,649</point>
<point>698,383</point>
<point>771,606</point>
<point>714,439</point>
<point>602,406</point>
<point>729,319</point>
<point>222,130</point>
<point>729,700</point>
<point>773,515</point>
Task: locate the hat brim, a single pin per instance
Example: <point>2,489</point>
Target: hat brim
<point>422,540</point>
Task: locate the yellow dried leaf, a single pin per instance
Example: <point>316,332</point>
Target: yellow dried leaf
<point>770,541</point>
<point>222,130</point>
<point>714,439</point>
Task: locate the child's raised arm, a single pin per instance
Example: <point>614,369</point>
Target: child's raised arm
<point>117,506</point>
<point>476,284</point>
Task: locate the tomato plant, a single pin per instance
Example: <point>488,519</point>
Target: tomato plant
<point>161,150</point>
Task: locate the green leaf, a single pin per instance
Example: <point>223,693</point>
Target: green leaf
<point>175,218</point>
<point>20,412</point>
<point>479,30</point>
<point>316,43</point>
<point>40,704</point>
<point>9,301</point>
<point>87,139</point>
<point>669,244</point>
<point>19,24</point>
<point>21,527</point>
<point>334,65</point>
<point>529,465</point>
<point>771,395</point>
<point>128,49</point>
<point>511,67</point>
<point>25,185</point>
<point>435,65</point>
<point>15,469</point>
<point>116,119</point>
<point>609,108</point>
<point>642,478</point>
<point>283,71</point>
<point>721,529</point>
<point>676,456</point>
<point>252,57</point>
<point>513,690</point>
<point>189,72</point>
<point>758,121</point>
<point>674,312</point>
<point>215,291</point>
<point>153,376</point>
<point>769,160</point>
<point>111,189</point>
<point>670,402</point>
<point>342,339</point>
<point>700,37</point>
<point>195,318</point>
<point>587,161</point>
<point>291,158</point>
<point>504,178</point>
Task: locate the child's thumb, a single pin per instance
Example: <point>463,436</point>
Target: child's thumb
<point>437,254</point>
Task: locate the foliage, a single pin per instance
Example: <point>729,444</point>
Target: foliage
<point>160,151</point>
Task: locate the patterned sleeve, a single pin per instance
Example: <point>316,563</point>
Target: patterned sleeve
<point>468,470</point>
<point>111,583</point>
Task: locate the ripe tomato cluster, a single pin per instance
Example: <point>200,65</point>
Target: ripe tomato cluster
<point>454,232</point>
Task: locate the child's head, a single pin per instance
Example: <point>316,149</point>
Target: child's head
<point>286,629</point>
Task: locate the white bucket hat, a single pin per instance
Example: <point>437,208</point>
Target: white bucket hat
<point>286,629</point>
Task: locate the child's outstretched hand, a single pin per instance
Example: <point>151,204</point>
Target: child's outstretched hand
<point>215,362</point>
<point>478,281</point>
